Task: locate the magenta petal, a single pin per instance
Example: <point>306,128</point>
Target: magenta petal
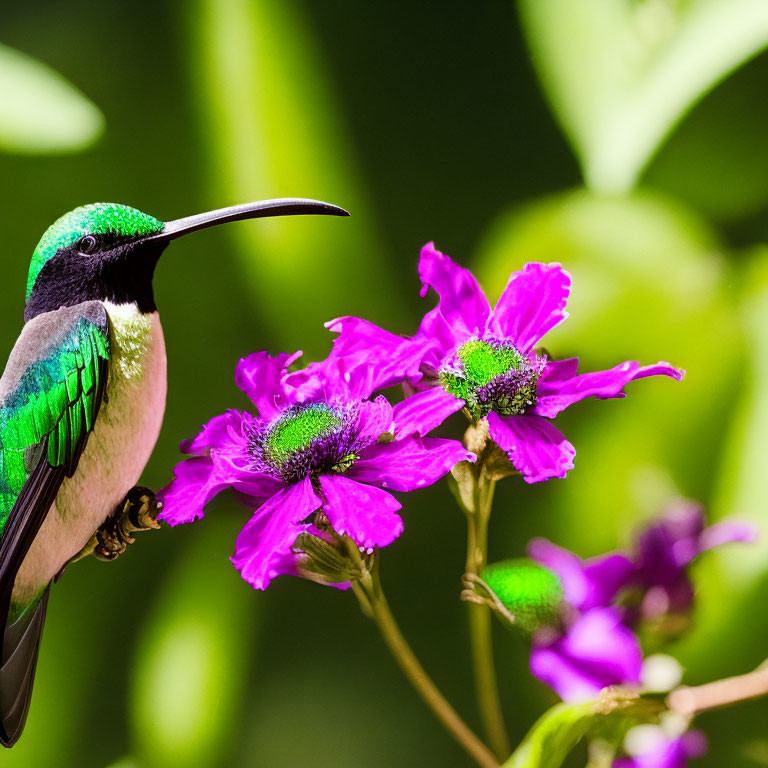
<point>462,301</point>
<point>260,376</point>
<point>374,417</point>
<point>566,565</point>
<point>199,479</point>
<point>358,336</point>
<point>555,396</point>
<point>263,547</point>
<point>396,359</point>
<point>424,411</point>
<point>437,339</point>
<point>227,464</point>
<point>535,447</point>
<point>726,532</point>
<point>227,433</point>
<point>532,304</point>
<point>335,378</point>
<point>235,468</point>
<point>408,464</point>
<point>561,675</point>
<point>462,309</point>
<point>195,483</point>
<point>366,514</point>
<point>606,576</point>
<point>597,651</point>
<point>559,370</point>
<point>665,548</point>
<point>669,544</point>
<point>213,434</point>
<point>694,743</point>
<point>667,753</point>
<point>592,583</point>
<point>599,637</point>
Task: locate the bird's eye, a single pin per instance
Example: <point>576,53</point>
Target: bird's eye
<point>87,244</point>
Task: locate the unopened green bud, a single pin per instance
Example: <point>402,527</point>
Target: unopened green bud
<point>325,561</point>
<point>531,593</point>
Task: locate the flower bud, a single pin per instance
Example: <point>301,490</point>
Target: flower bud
<point>531,593</point>
<point>324,561</point>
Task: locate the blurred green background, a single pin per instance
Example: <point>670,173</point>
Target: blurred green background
<point>627,139</point>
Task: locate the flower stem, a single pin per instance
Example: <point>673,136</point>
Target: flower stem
<point>690,700</point>
<point>486,688</point>
<point>368,591</point>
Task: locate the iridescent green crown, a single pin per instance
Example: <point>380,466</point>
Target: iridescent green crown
<point>96,219</point>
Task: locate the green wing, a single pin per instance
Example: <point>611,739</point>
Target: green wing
<point>50,394</point>
<point>52,404</point>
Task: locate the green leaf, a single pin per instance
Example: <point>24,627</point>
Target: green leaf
<point>273,130</point>
<point>40,112</point>
<point>731,581</point>
<point>621,73</point>
<point>194,657</point>
<point>561,728</point>
<point>716,158</point>
<point>553,736</point>
<point>741,486</point>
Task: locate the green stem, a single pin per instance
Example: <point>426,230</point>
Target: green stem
<point>371,596</point>
<point>486,687</point>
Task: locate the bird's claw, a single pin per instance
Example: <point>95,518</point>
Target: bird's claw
<point>142,508</point>
<point>137,512</point>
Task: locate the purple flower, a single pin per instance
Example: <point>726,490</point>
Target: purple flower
<point>466,355</point>
<point>591,583</point>
<point>309,463</point>
<point>665,752</point>
<point>664,550</point>
<point>595,645</point>
<point>594,651</point>
<point>592,648</point>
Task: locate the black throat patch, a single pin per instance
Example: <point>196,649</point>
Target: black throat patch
<point>122,274</point>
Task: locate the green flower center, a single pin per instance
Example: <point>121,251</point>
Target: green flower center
<point>532,593</point>
<point>491,375</point>
<point>298,428</point>
<point>483,361</point>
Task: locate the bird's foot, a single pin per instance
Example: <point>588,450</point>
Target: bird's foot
<point>137,512</point>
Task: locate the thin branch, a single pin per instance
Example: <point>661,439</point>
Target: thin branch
<point>411,667</point>
<point>486,687</point>
<point>690,700</point>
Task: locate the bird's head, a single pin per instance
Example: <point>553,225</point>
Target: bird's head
<point>108,251</point>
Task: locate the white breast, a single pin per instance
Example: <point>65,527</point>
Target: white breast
<point>117,451</point>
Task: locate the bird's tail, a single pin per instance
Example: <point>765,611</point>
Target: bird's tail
<point>20,644</point>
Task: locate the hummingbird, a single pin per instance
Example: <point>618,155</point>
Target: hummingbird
<point>82,399</point>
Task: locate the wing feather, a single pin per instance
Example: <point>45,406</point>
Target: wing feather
<point>57,381</point>
<point>50,395</point>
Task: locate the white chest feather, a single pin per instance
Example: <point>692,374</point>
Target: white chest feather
<point>117,451</point>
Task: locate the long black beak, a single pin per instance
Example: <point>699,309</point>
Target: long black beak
<point>285,206</point>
